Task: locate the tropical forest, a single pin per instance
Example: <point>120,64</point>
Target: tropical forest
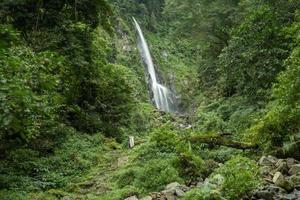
<point>149,99</point>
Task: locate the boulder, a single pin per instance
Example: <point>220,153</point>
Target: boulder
<point>200,184</point>
<point>169,194</point>
<point>264,194</point>
<point>297,187</point>
<point>279,161</point>
<point>184,188</point>
<point>282,167</point>
<point>280,181</point>
<point>295,169</point>
<point>275,189</point>
<point>267,161</point>
<point>295,179</point>
<point>146,198</point>
<point>290,162</point>
<point>179,192</point>
<point>132,198</point>
<point>265,170</point>
<point>172,186</point>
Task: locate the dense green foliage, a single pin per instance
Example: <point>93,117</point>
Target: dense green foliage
<point>71,77</point>
<point>240,176</point>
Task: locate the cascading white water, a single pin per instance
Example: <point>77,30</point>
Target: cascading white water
<point>164,98</point>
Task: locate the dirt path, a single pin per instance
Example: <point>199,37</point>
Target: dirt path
<point>97,182</point>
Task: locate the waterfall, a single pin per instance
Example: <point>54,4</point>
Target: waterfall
<point>163,97</point>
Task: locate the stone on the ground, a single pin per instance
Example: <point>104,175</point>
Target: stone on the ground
<point>282,167</point>
<point>290,162</point>
<point>295,179</point>
<point>265,170</point>
<point>295,169</point>
<point>132,198</point>
<point>267,161</point>
<point>179,192</point>
<point>146,198</point>
<point>184,188</point>
<point>279,161</point>
<point>200,184</point>
<point>169,194</point>
<point>172,186</point>
<point>264,194</point>
<point>280,181</point>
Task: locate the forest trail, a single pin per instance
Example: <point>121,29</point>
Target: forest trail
<point>99,178</point>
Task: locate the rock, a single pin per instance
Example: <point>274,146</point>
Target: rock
<point>265,170</point>
<point>278,177</point>
<point>280,181</point>
<point>264,194</point>
<point>172,186</point>
<point>200,184</point>
<point>275,189</point>
<point>295,179</point>
<point>279,161</point>
<point>267,161</point>
<point>282,167</point>
<point>146,198</point>
<point>179,192</point>
<point>132,198</point>
<point>295,169</point>
<point>297,187</point>
<point>290,162</point>
<point>169,194</point>
<point>272,159</point>
<point>184,188</point>
<point>295,195</point>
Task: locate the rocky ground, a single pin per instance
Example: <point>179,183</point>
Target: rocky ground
<point>281,177</point>
<point>281,181</point>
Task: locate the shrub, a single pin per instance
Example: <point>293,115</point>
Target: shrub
<point>204,193</point>
<point>29,170</point>
<point>165,139</point>
<point>209,121</point>
<point>156,174</point>
<point>241,176</point>
<point>190,165</point>
<point>13,195</point>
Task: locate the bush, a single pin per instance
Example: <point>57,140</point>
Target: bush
<point>156,174</point>
<point>190,165</point>
<point>29,170</point>
<point>14,195</point>
<point>241,176</point>
<point>209,121</point>
<point>153,175</point>
<point>165,139</point>
<point>202,194</point>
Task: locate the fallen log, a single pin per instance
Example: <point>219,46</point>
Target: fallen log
<point>220,140</point>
